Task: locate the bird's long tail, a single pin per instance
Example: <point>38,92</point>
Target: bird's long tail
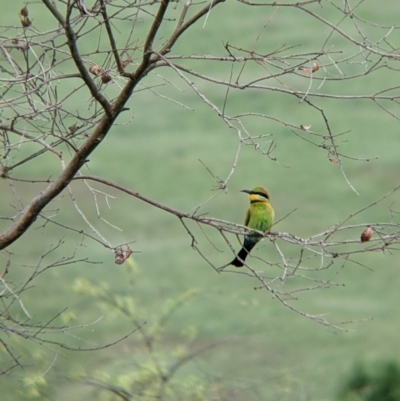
<point>249,244</point>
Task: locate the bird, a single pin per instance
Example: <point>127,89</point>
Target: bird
<point>260,216</point>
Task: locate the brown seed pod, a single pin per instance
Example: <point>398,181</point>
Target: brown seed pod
<point>122,254</point>
<point>26,22</point>
<point>308,71</point>
<point>105,77</point>
<point>315,67</point>
<point>72,128</point>
<point>95,70</point>
<point>366,234</point>
<point>24,11</point>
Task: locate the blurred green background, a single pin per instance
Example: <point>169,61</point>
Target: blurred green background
<point>263,350</point>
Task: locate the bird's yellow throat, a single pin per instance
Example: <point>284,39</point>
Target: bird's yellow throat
<point>256,198</point>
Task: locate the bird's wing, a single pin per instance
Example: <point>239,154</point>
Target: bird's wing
<point>246,222</point>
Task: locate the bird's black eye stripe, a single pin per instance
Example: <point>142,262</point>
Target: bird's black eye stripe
<point>261,194</point>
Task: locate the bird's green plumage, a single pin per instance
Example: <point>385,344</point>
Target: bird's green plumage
<point>260,217</point>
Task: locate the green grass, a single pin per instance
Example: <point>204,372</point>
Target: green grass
<point>272,353</point>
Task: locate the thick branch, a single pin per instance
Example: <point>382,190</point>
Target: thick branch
<point>31,212</point>
<point>154,29</point>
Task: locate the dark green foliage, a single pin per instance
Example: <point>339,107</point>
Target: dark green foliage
<point>382,383</point>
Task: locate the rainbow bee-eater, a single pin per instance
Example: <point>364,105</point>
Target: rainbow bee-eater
<point>260,217</point>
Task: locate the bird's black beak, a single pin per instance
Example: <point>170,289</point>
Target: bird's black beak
<point>246,190</point>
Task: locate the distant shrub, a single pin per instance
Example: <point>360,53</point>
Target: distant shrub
<point>381,383</point>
